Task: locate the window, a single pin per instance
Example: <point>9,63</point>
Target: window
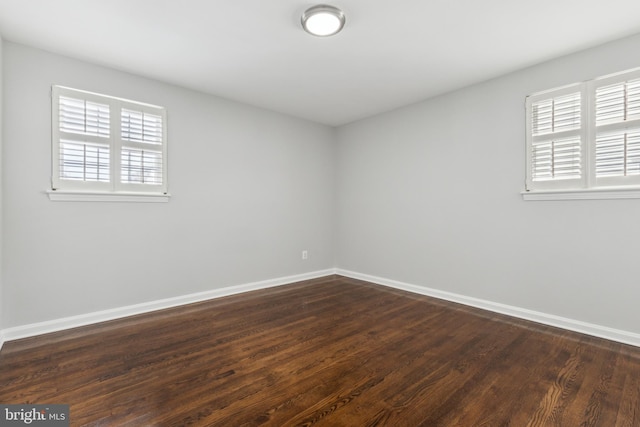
<point>586,138</point>
<point>107,146</point>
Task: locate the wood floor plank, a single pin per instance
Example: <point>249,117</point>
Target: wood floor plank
<point>328,352</point>
<point>629,405</point>
<point>560,389</point>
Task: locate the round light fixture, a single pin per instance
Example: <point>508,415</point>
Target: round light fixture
<point>323,20</point>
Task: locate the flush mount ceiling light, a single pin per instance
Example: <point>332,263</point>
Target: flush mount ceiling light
<point>323,20</point>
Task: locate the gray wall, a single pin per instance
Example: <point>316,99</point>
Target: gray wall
<point>429,195</point>
<point>251,189</point>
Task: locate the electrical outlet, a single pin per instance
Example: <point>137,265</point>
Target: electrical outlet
<point>305,254</point>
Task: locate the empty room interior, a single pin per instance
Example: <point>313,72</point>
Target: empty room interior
<point>224,213</point>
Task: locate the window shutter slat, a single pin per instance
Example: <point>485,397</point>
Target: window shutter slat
<point>633,99</point>
<point>84,161</point>
<point>557,114</point>
<point>618,154</point>
<point>557,159</point>
<point>83,117</point>
<point>542,117</point>
<point>141,126</point>
<point>618,102</point>
<point>567,112</point>
<point>141,166</point>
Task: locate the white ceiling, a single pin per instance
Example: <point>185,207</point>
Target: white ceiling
<point>390,53</point>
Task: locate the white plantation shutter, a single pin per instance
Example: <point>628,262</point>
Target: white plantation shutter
<point>558,114</point>
<point>142,158</point>
<point>556,159</point>
<point>141,126</point>
<point>617,130</point>
<point>81,144</point>
<point>585,138</point>
<point>83,117</point>
<point>141,167</point>
<point>618,102</point>
<point>618,154</point>
<point>107,144</point>
<point>83,161</point>
<point>555,139</point>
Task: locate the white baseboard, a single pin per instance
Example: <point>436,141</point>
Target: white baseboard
<point>56,325</point>
<point>34,329</point>
<point>600,331</point>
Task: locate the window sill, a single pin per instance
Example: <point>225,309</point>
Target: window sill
<point>86,196</point>
<point>590,194</point>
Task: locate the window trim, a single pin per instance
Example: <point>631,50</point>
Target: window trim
<point>588,187</point>
<point>115,189</point>
<point>101,196</point>
<point>583,194</point>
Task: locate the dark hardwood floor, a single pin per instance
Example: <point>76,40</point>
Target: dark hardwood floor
<point>328,352</point>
